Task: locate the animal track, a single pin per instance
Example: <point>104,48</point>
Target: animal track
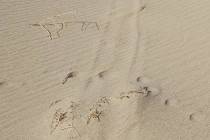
<point>143,8</point>
<point>55,102</point>
<point>142,91</point>
<point>94,114</point>
<point>101,74</point>
<point>57,119</point>
<point>64,118</point>
<point>69,76</point>
<point>97,109</point>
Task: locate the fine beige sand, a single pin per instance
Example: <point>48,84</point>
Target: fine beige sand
<point>105,70</point>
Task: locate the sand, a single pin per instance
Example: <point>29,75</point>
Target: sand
<point>104,70</point>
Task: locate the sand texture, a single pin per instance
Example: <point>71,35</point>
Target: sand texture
<point>105,70</point>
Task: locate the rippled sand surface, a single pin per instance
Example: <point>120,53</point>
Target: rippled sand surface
<point>104,70</point>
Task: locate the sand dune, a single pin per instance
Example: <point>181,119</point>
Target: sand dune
<point>104,70</point>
